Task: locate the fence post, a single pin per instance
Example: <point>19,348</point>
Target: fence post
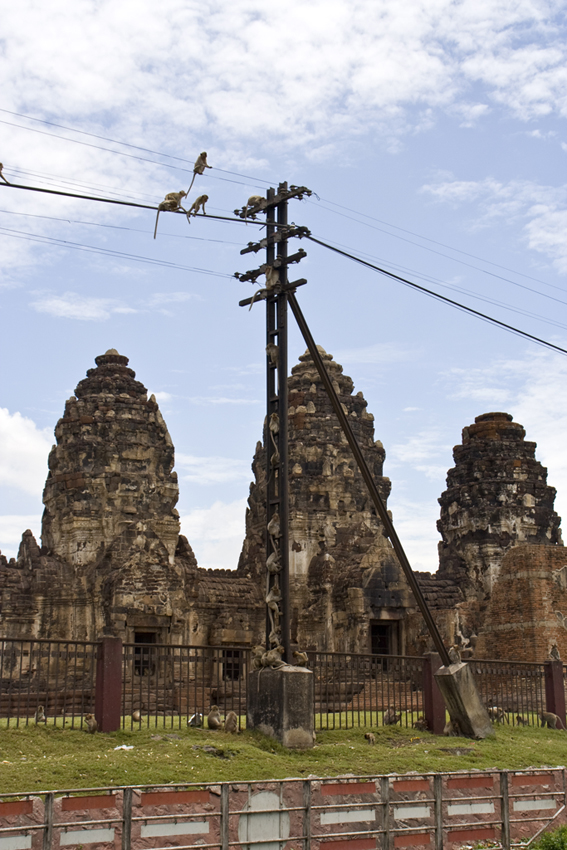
<point>126,819</point>
<point>306,814</point>
<point>48,821</point>
<point>554,689</point>
<point>225,814</point>
<point>438,811</point>
<point>385,801</point>
<point>433,702</point>
<point>108,688</point>
<point>505,810</point>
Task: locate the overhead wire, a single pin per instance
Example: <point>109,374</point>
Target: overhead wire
<point>440,297</point>
<point>353,257</point>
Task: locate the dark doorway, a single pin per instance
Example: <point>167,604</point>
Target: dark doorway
<point>231,664</point>
<point>142,652</point>
<point>381,638</point>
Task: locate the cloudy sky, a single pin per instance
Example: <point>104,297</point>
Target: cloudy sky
<point>434,135</point>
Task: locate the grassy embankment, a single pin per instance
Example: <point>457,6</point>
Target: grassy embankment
<point>39,758</point>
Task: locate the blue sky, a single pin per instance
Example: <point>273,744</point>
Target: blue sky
<point>434,135</point>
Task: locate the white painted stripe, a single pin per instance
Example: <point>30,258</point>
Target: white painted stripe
<point>16,842</point>
<point>471,809</point>
<point>348,816</point>
<point>195,827</point>
<point>405,812</point>
<point>86,836</point>
<point>533,805</point>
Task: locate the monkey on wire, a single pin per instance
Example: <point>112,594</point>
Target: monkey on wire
<point>2,176</point>
<point>252,202</point>
<point>171,203</point>
<point>198,204</point>
<point>199,167</point>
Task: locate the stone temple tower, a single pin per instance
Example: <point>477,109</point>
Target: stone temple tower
<point>111,467</point>
<point>348,590</point>
<point>497,496</point>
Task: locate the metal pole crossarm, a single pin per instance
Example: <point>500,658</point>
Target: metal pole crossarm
<point>278,263</point>
<point>262,205</point>
<point>285,232</point>
<point>369,481</point>
<point>262,294</point>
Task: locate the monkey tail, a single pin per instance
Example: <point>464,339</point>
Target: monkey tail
<point>155,228</point>
<point>192,181</point>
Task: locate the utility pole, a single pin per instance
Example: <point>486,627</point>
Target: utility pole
<point>275,294</point>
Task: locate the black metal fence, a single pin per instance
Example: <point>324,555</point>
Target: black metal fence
<point>164,685</point>
<point>366,690</point>
<point>513,691</point>
<point>51,681</point>
<point>169,685</point>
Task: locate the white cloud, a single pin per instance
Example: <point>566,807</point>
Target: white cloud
<point>212,470</point>
<point>11,529</point>
<point>161,397</point>
<point>415,524</point>
<point>216,533</point>
<point>422,446</point>
<point>70,305</point>
<point>541,211</point>
<point>159,298</point>
<point>23,452</point>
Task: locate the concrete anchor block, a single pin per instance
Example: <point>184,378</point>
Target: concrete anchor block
<point>456,683</point>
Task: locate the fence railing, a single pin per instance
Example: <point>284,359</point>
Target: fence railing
<point>167,685</point>
<point>363,690</point>
<point>442,810</point>
<point>516,687</point>
<point>49,680</point>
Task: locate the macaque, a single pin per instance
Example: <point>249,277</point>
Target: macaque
<point>2,176</point>
<point>301,658</point>
<point>273,564</point>
<point>92,725</point>
<point>521,721</point>
<point>171,203</point>
<point>554,653</point>
<point>231,723</point>
<point>198,203</point>
<point>275,459</point>
<point>420,724</point>
<point>252,202</point>
<point>497,714</point>
<point>370,737</point>
<point>39,716</point>
<point>551,720</point>
<point>257,654</point>
<point>273,599</point>
<point>273,658</point>
<point>452,729</point>
<point>274,526</point>
<point>214,719</point>
<point>272,277</point>
<point>272,351</point>
<point>199,167</point>
<point>454,655</point>
<point>391,717</point>
<point>195,721</point>
<point>137,716</point>
<point>274,424</point>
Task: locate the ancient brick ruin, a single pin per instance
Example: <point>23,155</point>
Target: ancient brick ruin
<point>112,561</point>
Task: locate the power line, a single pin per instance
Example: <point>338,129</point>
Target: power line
<point>117,142</point>
<point>439,297</point>
<point>108,252</point>
<point>456,259</point>
<point>436,242</point>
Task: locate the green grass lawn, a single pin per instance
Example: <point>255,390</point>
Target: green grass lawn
<point>39,758</point>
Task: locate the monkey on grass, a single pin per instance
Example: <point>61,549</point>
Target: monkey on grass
<point>391,717</point>
<point>39,716</point>
<point>214,719</point>
<point>231,723</point>
<point>92,725</point>
<point>370,737</point>
<point>552,721</point>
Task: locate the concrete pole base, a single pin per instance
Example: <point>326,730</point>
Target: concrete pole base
<point>462,699</point>
<point>280,705</point>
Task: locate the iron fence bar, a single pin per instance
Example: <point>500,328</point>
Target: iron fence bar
<point>48,821</point>
<point>505,810</point>
<point>127,819</point>
<point>306,814</point>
